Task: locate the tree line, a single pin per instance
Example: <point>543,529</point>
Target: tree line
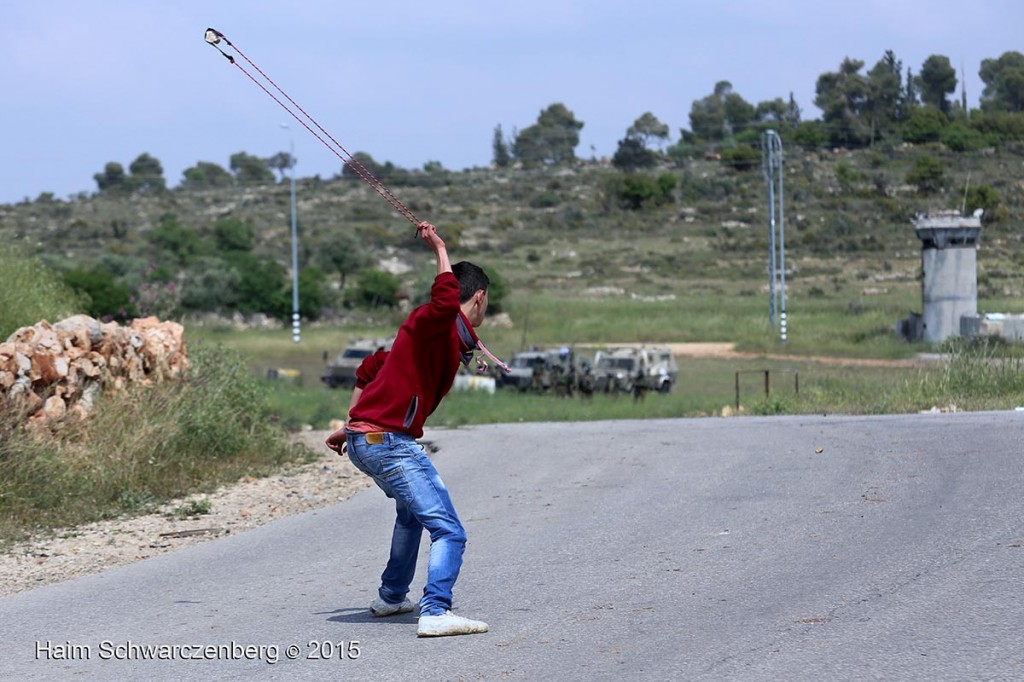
<point>218,269</point>
<point>886,103</point>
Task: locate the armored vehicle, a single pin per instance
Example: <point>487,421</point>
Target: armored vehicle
<point>621,369</point>
<point>341,371</point>
<point>540,370</point>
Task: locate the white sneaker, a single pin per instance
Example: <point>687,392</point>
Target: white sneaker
<point>448,624</point>
<point>380,608</point>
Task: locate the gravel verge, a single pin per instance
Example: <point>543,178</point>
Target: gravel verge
<point>249,503</point>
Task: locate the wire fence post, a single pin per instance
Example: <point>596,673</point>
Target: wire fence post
<point>767,381</point>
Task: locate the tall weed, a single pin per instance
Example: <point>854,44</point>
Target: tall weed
<point>140,447</point>
<point>979,374</point>
<point>30,292</point>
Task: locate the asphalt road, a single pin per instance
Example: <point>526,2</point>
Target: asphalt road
<point>794,548</point>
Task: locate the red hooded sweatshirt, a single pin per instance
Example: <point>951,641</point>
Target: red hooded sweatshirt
<point>403,387</point>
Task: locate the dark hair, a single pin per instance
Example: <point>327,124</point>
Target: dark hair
<point>472,279</point>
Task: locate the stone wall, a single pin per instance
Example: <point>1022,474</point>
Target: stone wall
<point>54,372</point>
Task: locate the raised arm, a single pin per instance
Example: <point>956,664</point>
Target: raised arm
<point>428,233</point>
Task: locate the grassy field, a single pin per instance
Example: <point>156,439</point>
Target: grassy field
<point>825,333</point>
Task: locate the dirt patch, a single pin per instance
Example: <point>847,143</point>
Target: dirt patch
<point>727,351</point>
<point>705,350</point>
<point>686,350</point>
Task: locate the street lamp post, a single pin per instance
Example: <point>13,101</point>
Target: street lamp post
<point>771,146</point>
<point>296,324</point>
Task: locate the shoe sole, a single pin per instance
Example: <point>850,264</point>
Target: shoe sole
<point>478,631</point>
<point>385,614</point>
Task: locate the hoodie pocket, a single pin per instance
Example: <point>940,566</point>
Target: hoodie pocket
<point>410,413</point>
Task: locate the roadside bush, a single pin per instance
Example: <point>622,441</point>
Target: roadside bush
<point>140,447</point>
<point>977,369</point>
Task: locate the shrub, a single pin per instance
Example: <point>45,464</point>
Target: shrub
<point>232,234</point>
<point>104,296</point>
<point>741,158</point>
<point>546,199</point>
<point>139,447</point>
<point>960,138</point>
<point>927,174</point>
<point>638,191</point>
<point>847,176</point>
<point>681,152</point>
<point>631,154</point>
<point>312,292</point>
<point>984,197</point>
<point>30,292</point>
<point>925,125</point>
<point>261,287</point>
<point>182,243</point>
<point>811,135</point>
<point>374,289</point>
<point>496,291</point>
<point>1002,125</point>
<point>210,284</point>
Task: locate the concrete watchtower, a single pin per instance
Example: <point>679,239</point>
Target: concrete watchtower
<point>949,267</point>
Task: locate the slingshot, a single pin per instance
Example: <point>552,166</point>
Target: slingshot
<point>214,38</point>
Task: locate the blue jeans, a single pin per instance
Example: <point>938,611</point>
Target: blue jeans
<point>401,468</point>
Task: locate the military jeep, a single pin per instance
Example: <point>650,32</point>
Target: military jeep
<point>341,371</point>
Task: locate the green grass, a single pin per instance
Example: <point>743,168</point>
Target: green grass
<point>971,380</point>
<point>822,332</point>
<point>974,378</point>
<point>140,448</point>
<point>296,406</point>
<point>706,387</point>
<point>29,293</point>
<point>846,327</point>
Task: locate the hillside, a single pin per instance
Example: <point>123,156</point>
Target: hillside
<point>567,233</point>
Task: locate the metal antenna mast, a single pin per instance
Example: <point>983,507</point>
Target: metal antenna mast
<point>771,148</point>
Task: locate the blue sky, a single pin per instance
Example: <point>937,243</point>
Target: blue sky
<point>95,81</point>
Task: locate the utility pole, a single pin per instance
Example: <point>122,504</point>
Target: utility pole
<point>296,323</point>
<point>771,148</point>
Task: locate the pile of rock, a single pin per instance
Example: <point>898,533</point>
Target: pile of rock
<point>52,372</point>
